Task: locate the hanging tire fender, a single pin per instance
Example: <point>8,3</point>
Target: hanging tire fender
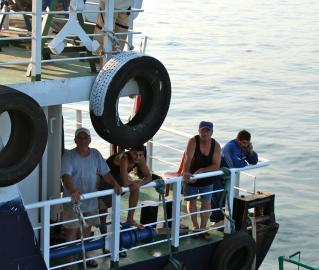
<point>235,252</point>
<point>154,87</point>
<point>28,137</point>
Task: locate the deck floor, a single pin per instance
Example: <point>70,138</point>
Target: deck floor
<point>149,252</point>
<point>50,71</point>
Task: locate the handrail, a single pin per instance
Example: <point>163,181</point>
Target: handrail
<point>116,209</point>
<point>282,259</point>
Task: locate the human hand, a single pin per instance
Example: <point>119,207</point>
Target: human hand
<point>187,176</point>
<point>75,196</point>
<point>118,189</point>
<point>250,148</point>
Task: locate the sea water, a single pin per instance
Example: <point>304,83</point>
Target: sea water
<point>253,65</point>
<point>245,64</point>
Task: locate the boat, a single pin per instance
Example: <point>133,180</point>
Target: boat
<point>43,74</point>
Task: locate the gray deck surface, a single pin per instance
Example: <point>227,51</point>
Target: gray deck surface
<point>50,71</point>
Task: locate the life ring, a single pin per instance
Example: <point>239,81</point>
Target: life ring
<point>28,137</point>
<point>154,87</point>
<point>236,252</point>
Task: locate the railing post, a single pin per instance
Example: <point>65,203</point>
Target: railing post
<point>281,262</point>
<point>78,118</point>
<point>115,239</point>
<point>236,183</point>
<point>177,186</point>
<point>130,25</point>
<point>108,25</point>
<point>149,150</point>
<point>45,237</point>
<point>233,180</point>
<point>36,41</point>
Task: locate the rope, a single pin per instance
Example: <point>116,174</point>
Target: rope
<point>83,224</point>
<point>117,41</point>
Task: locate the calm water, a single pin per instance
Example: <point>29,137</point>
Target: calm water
<point>254,65</point>
<point>251,64</point>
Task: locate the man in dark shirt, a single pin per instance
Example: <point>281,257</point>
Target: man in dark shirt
<point>202,155</point>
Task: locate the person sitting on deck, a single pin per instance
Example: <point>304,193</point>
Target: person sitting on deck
<point>202,155</point>
<point>121,164</point>
<point>79,169</point>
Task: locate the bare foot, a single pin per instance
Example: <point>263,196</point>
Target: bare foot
<point>133,223</point>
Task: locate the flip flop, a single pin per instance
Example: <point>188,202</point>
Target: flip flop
<point>123,254</point>
<point>196,236</point>
<point>183,227</point>
<point>135,224</point>
<point>92,263</point>
<point>206,236</point>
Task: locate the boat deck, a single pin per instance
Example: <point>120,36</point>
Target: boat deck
<point>15,73</point>
<point>153,251</point>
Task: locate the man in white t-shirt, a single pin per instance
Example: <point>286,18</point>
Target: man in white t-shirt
<point>80,167</point>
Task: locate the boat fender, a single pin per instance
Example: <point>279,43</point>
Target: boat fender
<point>154,87</point>
<point>236,252</point>
<point>28,137</point>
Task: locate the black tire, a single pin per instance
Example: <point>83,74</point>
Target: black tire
<point>155,90</point>
<point>236,252</point>
<point>28,137</point>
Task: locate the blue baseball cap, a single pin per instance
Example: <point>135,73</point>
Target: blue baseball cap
<point>206,124</point>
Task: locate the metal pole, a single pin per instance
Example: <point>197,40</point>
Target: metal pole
<point>36,40</point>
<point>78,118</point>
<point>45,243</point>
<point>176,213</point>
<point>149,150</point>
<point>115,239</point>
<point>281,262</point>
<point>108,26</point>
<point>233,179</point>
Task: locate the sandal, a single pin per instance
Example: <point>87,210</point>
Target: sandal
<point>133,223</point>
<point>206,236</point>
<point>196,236</point>
<point>123,254</point>
<point>92,263</point>
<point>183,227</point>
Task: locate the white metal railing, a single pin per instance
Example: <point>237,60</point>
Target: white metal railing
<point>45,207</point>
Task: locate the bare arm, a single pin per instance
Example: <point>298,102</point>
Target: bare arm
<point>145,171</point>
<point>189,153</point>
<point>68,184</point>
<point>215,165</point>
<point>110,179</point>
<point>126,182</point>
